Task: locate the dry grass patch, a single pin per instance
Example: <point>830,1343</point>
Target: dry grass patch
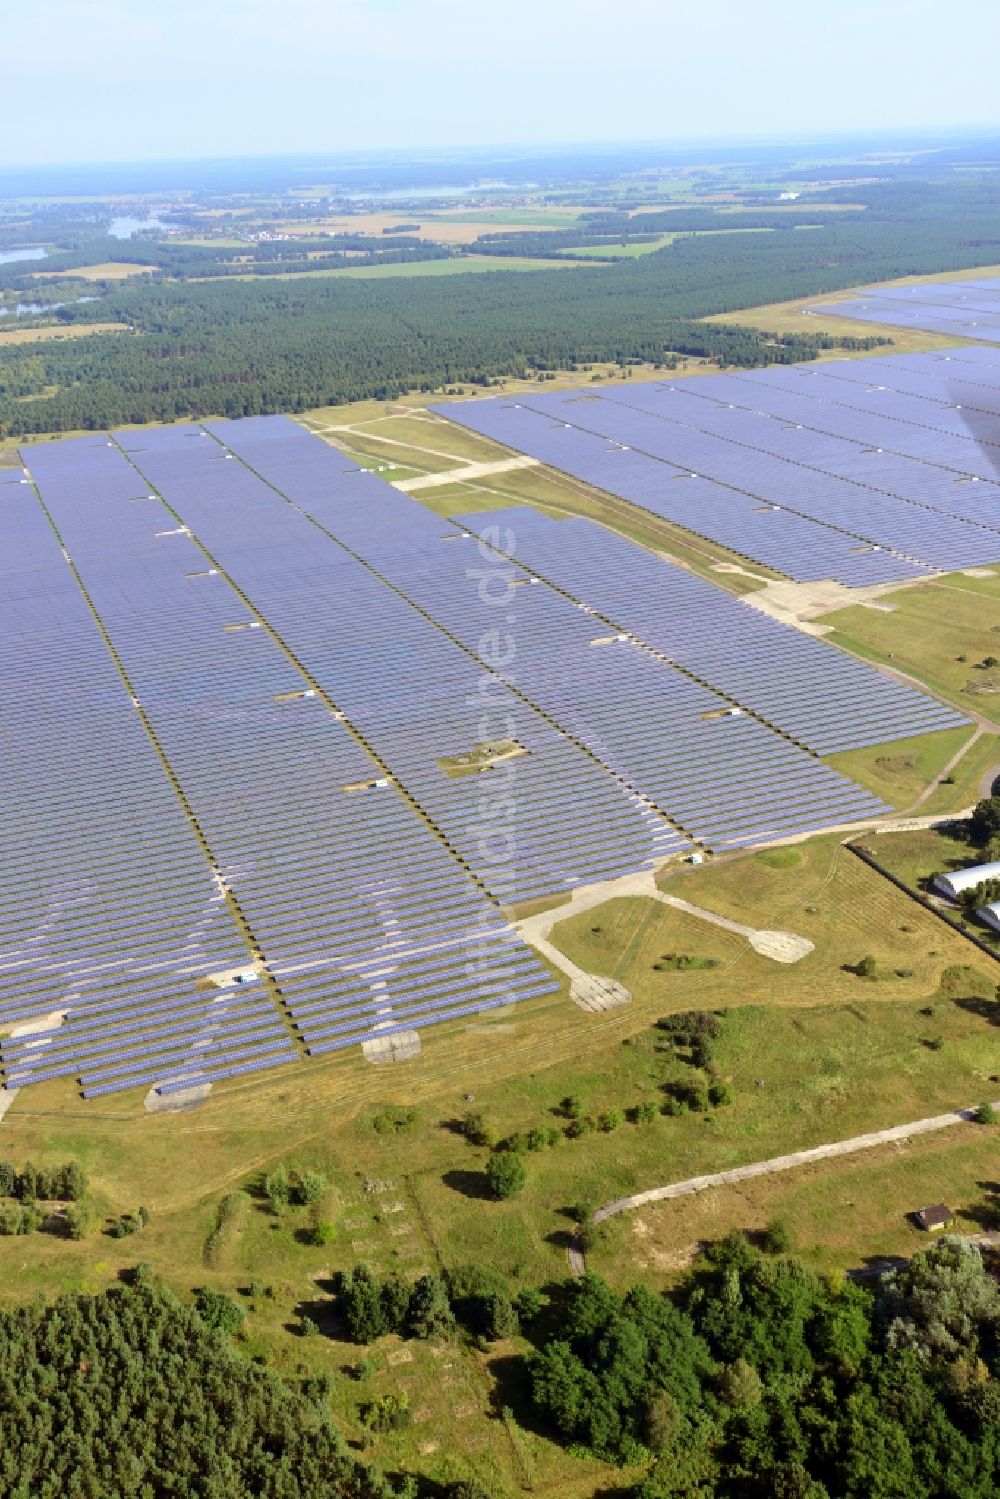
<point>108,270</point>
<point>61,330</point>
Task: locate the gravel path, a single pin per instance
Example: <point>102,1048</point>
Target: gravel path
<point>786,1162</point>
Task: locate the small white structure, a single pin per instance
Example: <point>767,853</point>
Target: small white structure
<point>966,879</point>
<point>990,915</point>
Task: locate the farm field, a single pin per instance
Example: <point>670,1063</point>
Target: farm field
<point>108,270</point>
<point>60,331</point>
<point>456,265</point>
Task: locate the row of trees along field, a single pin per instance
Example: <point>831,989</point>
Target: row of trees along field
<point>243,347</point>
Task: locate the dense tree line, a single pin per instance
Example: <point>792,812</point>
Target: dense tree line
<point>755,1378</point>
<point>761,1379</point>
<point>131,1393</point>
<point>240,348</point>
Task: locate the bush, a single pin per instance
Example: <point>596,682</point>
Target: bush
<point>217,1310</point>
<point>586,1236</point>
<point>77,1219</point>
<point>866,967</point>
<point>777,1237</point>
<point>429,1313</point>
<point>322,1233</point>
<point>536,1139</point>
<point>394,1121</point>
<point>277,1189</point>
<point>572,1106</point>
<point>309,1188</point>
<point>506,1173</point>
<point>577,1128</point>
<point>986,1114</point>
<point>719,1094</point>
<point>610,1120</point>
<point>388,1413</point>
<point>18,1219</point>
<point>646,1111</point>
<point>476,1130</point>
<point>7,1178</point>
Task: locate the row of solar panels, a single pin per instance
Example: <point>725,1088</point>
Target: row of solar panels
<point>959,309</point>
<point>723,779</point>
<point>107,896</point>
<point>811,492</point>
<point>352,898</point>
<point>263,765</point>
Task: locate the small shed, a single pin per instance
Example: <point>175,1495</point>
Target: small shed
<point>933,1218</point>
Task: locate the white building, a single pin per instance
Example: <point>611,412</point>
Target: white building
<point>953,884</point>
<point>990,915</point>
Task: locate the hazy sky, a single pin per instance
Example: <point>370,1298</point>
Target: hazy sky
<point>127,79</point>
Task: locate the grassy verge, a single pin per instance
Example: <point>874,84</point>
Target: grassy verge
<point>900,770</point>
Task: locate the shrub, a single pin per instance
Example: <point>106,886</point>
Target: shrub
<point>986,1114</point>
<point>646,1111</point>
<point>476,1130</point>
<point>429,1313</point>
<point>777,1237</point>
<point>394,1121</point>
<point>610,1120</point>
<point>388,1413</point>
<point>277,1189</point>
<point>719,1094</point>
<point>217,1310</point>
<point>866,967</point>
<point>309,1188</point>
<point>77,1219</point>
<point>10,1217</point>
<point>322,1233</point>
<point>536,1139</point>
<point>506,1173</point>
<point>572,1106</point>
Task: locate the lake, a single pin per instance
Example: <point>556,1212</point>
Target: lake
<point>28,309</point>
<point>125,228</point>
<point>26,252</point>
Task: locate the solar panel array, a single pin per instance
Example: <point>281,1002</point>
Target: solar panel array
<point>723,777</point>
<point>415,695</point>
<point>365,919</point>
<point>816,695</point>
<point>810,487</point>
<point>111,917</point>
<point>318,660</point>
<point>958,309</point>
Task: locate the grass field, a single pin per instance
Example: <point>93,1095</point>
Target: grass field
<point>917,856</point>
<point>840,1213</point>
<point>61,330</point>
<point>939,631</point>
<point>900,770</point>
<point>456,265</point>
<point>799,316</point>
<point>108,270</point>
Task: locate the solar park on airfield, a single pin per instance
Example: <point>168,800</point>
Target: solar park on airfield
<point>240,672</point>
